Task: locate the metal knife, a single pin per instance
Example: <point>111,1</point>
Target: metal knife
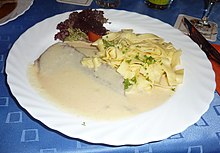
<point>197,37</point>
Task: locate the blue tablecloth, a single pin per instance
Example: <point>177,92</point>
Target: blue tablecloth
<point>20,133</point>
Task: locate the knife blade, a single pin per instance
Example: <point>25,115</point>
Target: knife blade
<point>197,37</point>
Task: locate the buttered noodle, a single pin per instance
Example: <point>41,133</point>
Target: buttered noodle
<point>144,60</point>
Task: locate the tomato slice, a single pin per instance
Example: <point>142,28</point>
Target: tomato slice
<point>93,36</point>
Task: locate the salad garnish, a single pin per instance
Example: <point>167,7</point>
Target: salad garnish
<point>86,25</point>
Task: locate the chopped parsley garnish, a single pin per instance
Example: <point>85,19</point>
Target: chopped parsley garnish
<point>128,61</point>
<point>126,84</point>
<point>137,57</point>
<point>134,79</point>
<point>173,89</point>
<point>107,43</point>
<point>149,60</point>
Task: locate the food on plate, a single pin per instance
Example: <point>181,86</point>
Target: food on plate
<point>86,25</point>
<point>59,77</point>
<point>99,74</point>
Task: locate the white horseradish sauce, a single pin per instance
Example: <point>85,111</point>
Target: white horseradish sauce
<point>60,78</point>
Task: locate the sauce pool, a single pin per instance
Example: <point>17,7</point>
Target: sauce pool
<point>76,92</point>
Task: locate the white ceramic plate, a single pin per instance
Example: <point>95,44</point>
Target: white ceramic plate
<point>189,103</point>
<point>21,8</point>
